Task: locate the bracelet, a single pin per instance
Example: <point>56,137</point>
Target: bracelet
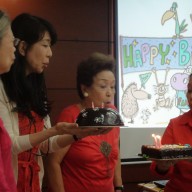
<point>121,188</point>
<point>75,138</point>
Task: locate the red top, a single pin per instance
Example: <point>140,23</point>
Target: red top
<point>28,168</point>
<point>179,131</point>
<point>7,180</point>
<point>90,162</point>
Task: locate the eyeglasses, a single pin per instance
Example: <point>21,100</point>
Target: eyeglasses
<point>16,42</point>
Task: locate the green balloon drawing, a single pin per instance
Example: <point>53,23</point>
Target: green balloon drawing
<point>144,78</point>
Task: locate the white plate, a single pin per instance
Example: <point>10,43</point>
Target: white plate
<point>170,159</point>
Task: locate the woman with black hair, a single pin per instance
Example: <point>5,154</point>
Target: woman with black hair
<point>92,163</point>
<point>24,105</point>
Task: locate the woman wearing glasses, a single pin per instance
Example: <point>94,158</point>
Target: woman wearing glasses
<point>25,107</point>
<point>7,49</point>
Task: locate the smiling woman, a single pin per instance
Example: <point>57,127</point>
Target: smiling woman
<point>25,107</point>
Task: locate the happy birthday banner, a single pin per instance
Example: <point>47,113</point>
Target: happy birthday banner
<point>142,54</point>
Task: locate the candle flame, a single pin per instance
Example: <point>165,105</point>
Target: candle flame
<point>157,140</point>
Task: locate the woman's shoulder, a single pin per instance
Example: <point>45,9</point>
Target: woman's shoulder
<point>71,108</point>
<point>3,95</point>
<point>183,118</point>
<point>69,113</point>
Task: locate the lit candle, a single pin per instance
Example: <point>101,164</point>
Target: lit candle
<point>93,105</point>
<point>158,140</point>
<point>102,105</point>
<point>155,140</point>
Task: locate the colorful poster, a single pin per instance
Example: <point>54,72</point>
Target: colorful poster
<point>155,61</point>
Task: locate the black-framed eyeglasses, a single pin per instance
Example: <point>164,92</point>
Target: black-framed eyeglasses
<point>16,41</point>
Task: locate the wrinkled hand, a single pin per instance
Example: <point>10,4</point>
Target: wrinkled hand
<point>66,128</point>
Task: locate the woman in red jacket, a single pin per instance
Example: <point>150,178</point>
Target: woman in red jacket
<point>179,131</point>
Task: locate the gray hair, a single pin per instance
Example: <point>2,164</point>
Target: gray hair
<point>4,23</point>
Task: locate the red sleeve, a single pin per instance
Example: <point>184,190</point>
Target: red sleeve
<point>166,139</point>
<point>168,134</point>
<point>3,183</point>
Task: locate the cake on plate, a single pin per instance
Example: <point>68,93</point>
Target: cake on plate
<point>167,151</point>
<point>99,117</point>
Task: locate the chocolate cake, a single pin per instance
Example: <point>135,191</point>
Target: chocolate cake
<point>167,151</point>
<point>99,117</point>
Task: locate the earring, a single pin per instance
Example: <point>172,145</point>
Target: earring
<point>85,94</point>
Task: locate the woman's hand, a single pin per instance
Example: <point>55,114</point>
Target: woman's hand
<point>163,166</point>
<point>66,128</point>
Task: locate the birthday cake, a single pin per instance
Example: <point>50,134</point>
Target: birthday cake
<point>167,151</point>
<point>99,117</point>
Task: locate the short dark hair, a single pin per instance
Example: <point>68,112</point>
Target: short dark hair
<point>89,68</point>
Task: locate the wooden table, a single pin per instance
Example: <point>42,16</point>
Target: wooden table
<point>149,187</point>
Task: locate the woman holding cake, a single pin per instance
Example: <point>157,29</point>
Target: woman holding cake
<point>91,163</point>
<point>179,131</point>
<point>24,106</point>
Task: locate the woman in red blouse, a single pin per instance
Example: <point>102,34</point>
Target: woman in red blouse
<point>179,130</point>
<point>91,163</point>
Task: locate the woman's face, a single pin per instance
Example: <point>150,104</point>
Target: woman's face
<point>102,90</point>
<point>7,50</point>
<point>38,55</point>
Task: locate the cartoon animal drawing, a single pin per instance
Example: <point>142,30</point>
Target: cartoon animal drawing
<point>172,13</point>
<point>161,89</point>
<point>179,82</point>
<point>145,115</point>
<point>129,104</point>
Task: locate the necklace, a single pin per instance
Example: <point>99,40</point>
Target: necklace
<point>105,148</point>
